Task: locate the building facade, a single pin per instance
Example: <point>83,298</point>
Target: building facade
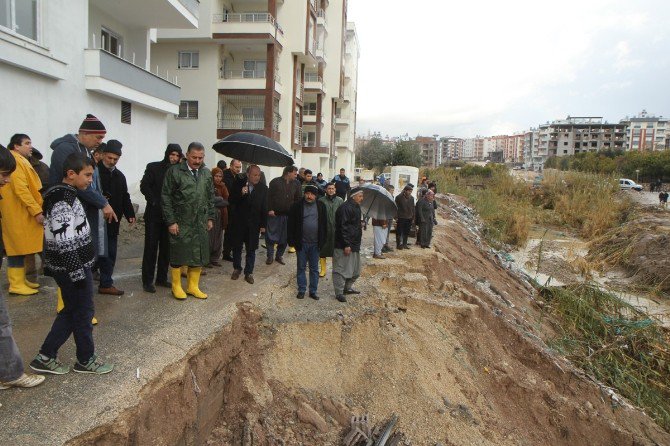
<point>60,60</point>
<point>430,150</point>
<point>287,70</point>
<point>451,149</point>
<point>645,132</point>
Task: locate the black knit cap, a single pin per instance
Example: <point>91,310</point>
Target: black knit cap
<point>92,125</point>
<point>113,146</point>
<point>173,147</point>
<point>312,188</point>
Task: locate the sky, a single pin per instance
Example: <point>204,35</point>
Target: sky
<point>486,67</point>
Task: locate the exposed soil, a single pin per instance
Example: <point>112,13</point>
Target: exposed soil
<point>449,339</point>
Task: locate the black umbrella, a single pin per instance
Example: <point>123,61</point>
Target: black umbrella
<point>377,203</point>
<point>255,149</point>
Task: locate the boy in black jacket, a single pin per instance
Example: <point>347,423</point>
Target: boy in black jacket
<point>69,254</point>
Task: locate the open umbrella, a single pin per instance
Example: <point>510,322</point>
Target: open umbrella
<point>377,203</point>
<point>255,149</point>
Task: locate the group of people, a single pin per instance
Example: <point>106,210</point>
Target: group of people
<point>69,214</point>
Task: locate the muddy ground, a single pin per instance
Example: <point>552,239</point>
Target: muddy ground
<point>449,339</point>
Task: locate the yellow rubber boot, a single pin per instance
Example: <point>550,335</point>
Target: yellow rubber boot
<point>59,301</point>
<point>17,284</point>
<point>322,267</point>
<point>193,282</point>
<point>291,249</point>
<point>30,284</point>
<point>177,290</point>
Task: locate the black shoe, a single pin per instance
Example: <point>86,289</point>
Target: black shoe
<point>341,298</point>
<point>249,278</point>
<point>149,288</point>
<point>314,296</point>
<point>227,258</point>
<point>280,260</point>
<point>399,247</point>
<point>164,284</point>
<point>269,261</point>
<point>300,295</point>
<point>351,291</point>
<point>405,247</point>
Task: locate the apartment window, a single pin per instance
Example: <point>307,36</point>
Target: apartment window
<point>126,112</point>
<point>254,69</point>
<point>111,42</point>
<point>337,135</point>
<point>309,139</point>
<point>189,59</point>
<point>21,17</point>
<point>565,143</point>
<point>253,118</point>
<point>310,109</point>
<point>188,110</point>
<point>594,144</point>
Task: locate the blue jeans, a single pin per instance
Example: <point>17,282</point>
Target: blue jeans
<point>74,318</point>
<point>106,264</point>
<point>308,254</point>
<point>249,261</point>
<point>270,247</point>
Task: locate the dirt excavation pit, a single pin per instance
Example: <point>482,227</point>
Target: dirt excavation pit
<point>444,339</point>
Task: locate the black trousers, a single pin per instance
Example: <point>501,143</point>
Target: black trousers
<point>74,319</point>
<point>402,231</point>
<point>156,250</point>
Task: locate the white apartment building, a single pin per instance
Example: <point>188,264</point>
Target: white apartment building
<point>62,59</point>
<point>274,67</point>
<point>645,132</point>
<point>451,148</point>
<point>469,145</point>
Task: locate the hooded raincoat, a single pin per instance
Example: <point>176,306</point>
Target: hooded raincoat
<point>21,202</point>
<point>331,206</point>
<point>189,202</point>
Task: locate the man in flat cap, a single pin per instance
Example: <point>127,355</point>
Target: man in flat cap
<point>405,203</point>
<point>346,255</point>
<point>115,190</point>
<point>306,232</point>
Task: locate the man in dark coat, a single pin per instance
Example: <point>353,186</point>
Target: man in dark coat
<point>405,203</point>
<point>309,180</point>
<point>115,189</point>
<point>156,235</point>
<point>249,196</point>
<point>230,177</point>
<point>342,185</point>
<point>346,255</point>
<point>425,218</point>
<point>332,202</point>
<point>90,136</point>
<point>283,192</point>
<point>307,232</point>
<point>188,210</point>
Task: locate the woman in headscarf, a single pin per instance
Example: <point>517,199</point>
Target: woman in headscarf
<point>221,220</point>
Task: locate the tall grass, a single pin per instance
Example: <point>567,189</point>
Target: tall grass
<point>615,342</point>
<point>587,203</point>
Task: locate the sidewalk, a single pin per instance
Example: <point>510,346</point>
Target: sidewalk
<point>136,330</point>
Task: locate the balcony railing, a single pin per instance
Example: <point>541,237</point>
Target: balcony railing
<point>300,91</point>
<point>242,74</point>
<point>309,113</point>
<point>247,17</point>
<point>313,77</point>
<point>297,135</point>
<point>237,124</point>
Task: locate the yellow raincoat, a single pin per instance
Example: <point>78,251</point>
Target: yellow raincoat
<point>21,201</point>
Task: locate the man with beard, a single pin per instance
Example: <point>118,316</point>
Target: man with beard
<point>348,235</point>
<point>156,235</point>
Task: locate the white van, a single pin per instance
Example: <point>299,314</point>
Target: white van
<point>626,184</point>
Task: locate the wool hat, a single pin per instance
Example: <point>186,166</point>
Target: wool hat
<point>312,188</point>
<point>113,146</point>
<point>36,154</point>
<point>92,125</point>
<point>408,187</point>
<point>356,191</point>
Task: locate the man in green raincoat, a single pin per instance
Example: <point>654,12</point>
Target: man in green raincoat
<point>332,202</point>
<point>188,210</point>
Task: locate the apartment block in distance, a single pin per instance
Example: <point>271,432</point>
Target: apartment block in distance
<point>430,150</point>
<point>274,67</point>
<point>645,132</point>
<point>451,149</point>
<point>61,60</point>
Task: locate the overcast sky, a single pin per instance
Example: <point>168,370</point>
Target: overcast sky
<point>468,67</point>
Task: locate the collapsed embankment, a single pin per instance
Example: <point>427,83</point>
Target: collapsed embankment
<point>447,339</point>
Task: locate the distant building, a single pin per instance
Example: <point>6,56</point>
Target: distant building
<point>451,149</point>
<point>645,132</point>
<point>469,145</point>
<point>430,147</point>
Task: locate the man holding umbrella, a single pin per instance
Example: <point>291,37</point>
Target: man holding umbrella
<point>346,255</point>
